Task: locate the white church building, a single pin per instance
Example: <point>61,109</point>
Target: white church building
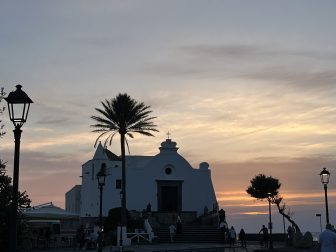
<point>166,181</point>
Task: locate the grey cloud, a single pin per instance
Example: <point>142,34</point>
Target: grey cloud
<point>318,80</point>
<point>99,42</point>
<point>47,120</point>
<point>291,68</point>
<point>237,51</point>
<point>73,113</point>
<point>220,51</point>
<point>44,163</point>
<point>165,99</point>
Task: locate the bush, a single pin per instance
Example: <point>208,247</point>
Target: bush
<point>113,221</point>
<point>305,241</point>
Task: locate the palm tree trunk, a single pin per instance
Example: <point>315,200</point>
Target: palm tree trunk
<point>123,181</point>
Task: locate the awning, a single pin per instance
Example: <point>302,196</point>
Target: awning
<point>49,212</point>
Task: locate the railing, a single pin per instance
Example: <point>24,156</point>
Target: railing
<point>138,235</point>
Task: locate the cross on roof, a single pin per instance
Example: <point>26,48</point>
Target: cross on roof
<point>168,134</point>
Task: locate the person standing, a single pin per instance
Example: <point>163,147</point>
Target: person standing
<point>327,239</point>
<point>223,226</point>
<point>178,225</point>
<point>172,230</point>
<point>232,236</point>
<point>264,232</point>
<point>290,236</point>
<point>242,238</point>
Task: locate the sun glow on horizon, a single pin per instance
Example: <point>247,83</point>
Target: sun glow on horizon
<point>241,199</point>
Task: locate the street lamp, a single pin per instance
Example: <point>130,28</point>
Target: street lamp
<point>18,108</point>
<point>284,227</point>
<point>101,182</point>
<point>270,220</point>
<point>325,175</point>
<point>319,215</point>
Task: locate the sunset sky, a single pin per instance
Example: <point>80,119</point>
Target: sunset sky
<point>247,86</point>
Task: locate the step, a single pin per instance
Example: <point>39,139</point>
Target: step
<point>196,234</point>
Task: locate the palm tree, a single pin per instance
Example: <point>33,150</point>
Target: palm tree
<point>125,116</point>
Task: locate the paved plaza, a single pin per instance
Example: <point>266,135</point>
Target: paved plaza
<point>252,246</point>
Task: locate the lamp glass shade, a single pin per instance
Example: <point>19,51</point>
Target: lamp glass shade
<point>101,178</point>
<point>18,106</point>
<point>325,175</point>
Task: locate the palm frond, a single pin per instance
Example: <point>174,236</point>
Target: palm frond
<point>124,115</point>
<point>102,134</point>
<point>112,135</point>
<point>129,153</point>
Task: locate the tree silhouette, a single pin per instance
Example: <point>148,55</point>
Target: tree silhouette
<point>125,116</point>
<point>6,195</point>
<point>263,187</point>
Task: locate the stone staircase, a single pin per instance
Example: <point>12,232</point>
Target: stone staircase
<point>191,234</point>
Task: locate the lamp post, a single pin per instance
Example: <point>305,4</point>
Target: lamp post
<point>325,175</point>
<point>101,182</point>
<point>122,221</point>
<point>270,220</point>
<point>319,215</point>
<point>18,108</point>
<point>284,227</point>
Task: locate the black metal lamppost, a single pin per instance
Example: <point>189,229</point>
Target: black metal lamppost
<point>270,220</point>
<point>101,183</point>
<point>325,175</point>
<point>319,215</point>
<point>18,108</point>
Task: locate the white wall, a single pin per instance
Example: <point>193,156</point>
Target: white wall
<point>142,172</point>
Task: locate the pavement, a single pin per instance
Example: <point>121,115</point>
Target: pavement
<point>251,246</point>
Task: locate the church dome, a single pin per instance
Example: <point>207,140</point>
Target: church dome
<point>168,145</point>
<point>169,158</point>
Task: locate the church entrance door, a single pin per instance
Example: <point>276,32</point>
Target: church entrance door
<point>170,196</point>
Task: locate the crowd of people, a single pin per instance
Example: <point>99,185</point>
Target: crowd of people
<point>327,239</point>
<point>230,235</point>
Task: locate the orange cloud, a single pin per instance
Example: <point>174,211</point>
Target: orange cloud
<point>253,213</point>
<point>242,199</point>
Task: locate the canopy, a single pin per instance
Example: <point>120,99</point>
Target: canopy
<point>49,211</point>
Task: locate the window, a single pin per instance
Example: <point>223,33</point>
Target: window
<point>168,170</point>
<point>103,166</point>
<point>118,184</point>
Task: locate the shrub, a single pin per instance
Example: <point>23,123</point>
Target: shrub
<point>305,241</point>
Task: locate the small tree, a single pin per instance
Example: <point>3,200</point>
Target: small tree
<point>263,187</point>
<point>6,192</point>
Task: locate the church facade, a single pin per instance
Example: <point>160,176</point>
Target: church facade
<point>166,181</point>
